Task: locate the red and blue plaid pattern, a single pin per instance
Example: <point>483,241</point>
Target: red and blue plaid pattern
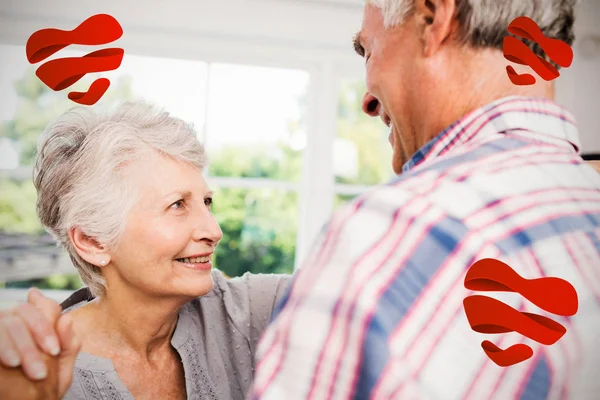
<point>376,312</point>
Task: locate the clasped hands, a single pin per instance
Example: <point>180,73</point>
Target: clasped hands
<point>38,349</point>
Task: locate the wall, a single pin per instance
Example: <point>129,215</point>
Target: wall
<point>303,31</point>
<point>293,33</point>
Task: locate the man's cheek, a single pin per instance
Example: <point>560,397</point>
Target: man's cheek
<point>372,79</point>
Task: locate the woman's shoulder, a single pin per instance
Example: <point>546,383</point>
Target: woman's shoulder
<point>238,298</point>
<point>247,301</point>
<point>250,287</point>
<point>249,280</point>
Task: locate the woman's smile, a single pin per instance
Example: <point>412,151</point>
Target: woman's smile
<point>197,262</point>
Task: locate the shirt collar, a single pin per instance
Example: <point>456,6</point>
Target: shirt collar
<point>540,119</point>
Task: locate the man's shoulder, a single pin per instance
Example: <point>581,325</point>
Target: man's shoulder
<point>408,195</point>
<point>463,182</point>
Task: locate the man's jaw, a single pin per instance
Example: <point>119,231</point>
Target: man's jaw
<point>388,122</point>
<point>392,133</point>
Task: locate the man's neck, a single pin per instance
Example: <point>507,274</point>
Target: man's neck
<point>467,88</point>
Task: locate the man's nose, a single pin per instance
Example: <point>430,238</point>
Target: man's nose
<point>370,105</point>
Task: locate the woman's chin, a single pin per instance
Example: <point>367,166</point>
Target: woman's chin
<point>189,281</point>
<point>195,287</point>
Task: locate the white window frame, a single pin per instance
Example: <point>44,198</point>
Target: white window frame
<point>317,186</point>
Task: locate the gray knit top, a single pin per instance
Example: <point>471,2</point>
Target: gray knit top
<point>216,337</point>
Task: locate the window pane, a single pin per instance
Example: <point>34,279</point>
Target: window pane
<point>256,121</point>
<point>28,255</point>
<point>27,105</point>
<point>177,85</point>
<point>259,230</point>
<point>362,152</point>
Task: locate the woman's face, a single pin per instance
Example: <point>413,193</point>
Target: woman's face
<point>170,233</point>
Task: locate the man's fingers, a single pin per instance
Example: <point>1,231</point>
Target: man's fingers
<point>70,348</point>
<point>9,356</point>
<point>41,328</point>
<point>49,308</point>
<point>31,357</point>
<point>15,385</point>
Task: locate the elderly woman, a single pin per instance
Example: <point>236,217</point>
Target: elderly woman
<point>124,193</point>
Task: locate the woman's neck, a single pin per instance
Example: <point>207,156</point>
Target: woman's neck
<point>129,322</point>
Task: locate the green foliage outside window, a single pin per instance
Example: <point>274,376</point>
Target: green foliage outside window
<point>259,225</point>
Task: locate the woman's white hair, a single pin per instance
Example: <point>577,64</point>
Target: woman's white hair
<point>80,177</point>
<point>484,23</point>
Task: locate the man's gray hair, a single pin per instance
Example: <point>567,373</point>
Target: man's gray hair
<point>484,23</point>
<point>80,172</point>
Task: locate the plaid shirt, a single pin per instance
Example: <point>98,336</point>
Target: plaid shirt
<point>376,312</point>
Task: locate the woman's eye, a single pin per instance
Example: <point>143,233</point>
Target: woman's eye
<point>208,201</point>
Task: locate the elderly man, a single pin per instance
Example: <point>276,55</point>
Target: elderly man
<point>487,169</point>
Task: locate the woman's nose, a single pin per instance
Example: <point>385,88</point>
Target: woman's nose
<point>208,229</point>
<point>214,232</point>
<point>370,105</point>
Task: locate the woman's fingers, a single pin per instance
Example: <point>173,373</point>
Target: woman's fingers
<point>31,357</point>
<point>70,345</point>
<point>41,328</point>
<point>69,342</point>
<point>39,321</point>
<point>31,329</point>
<point>49,308</point>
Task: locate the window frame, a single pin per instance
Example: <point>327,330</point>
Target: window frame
<point>325,66</point>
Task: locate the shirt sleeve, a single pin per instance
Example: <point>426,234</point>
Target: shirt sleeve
<point>330,340</point>
<point>261,293</point>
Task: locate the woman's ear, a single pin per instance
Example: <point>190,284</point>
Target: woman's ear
<point>88,248</point>
<point>437,19</point>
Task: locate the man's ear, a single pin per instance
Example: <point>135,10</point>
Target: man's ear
<point>436,17</point>
<point>88,248</point>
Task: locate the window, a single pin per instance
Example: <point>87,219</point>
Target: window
<point>255,137</point>
<point>362,153</point>
<point>252,120</point>
<point>259,230</point>
<point>256,120</point>
<point>27,254</point>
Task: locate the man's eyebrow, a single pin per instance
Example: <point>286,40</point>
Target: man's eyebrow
<point>358,47</point>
